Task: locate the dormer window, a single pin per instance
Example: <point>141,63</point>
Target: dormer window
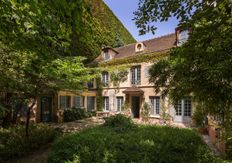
<point>183,37</point>
<point>139,47</point>
<point>106,56</point>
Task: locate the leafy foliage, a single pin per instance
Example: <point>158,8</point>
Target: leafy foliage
<point>15,144</point>
<point>151,57</point>
<point>200,67</point>
<point>145,113</point>
<point>143,144</point>
<point>99,97</point>
<point>112,29</point>
<point>118,76</point>
<point>73,114</point>
<point>119,123</point>
<point>200,116</point>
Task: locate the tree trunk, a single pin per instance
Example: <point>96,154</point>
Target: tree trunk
<point>7,118</point>
<point>15,113</point>
<point>28,118</point>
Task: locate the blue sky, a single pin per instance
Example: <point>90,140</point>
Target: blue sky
<point>124,9</point>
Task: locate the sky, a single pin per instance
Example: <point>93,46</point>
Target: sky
<point>124,9</point>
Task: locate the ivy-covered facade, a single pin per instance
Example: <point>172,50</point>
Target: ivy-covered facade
<point>125,81</point>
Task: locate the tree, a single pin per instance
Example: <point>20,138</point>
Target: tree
<point>35,38</point>
<point>202,66</point>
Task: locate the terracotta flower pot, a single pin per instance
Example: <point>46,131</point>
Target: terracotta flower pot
<point>203,130</point>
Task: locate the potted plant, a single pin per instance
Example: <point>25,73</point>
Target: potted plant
<point>200,120</point>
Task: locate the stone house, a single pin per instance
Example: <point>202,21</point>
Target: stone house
<point>136,90</point>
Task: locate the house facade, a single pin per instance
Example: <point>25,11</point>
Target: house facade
<point>135,90</point>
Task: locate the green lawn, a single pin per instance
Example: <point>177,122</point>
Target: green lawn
<point>141,144</point>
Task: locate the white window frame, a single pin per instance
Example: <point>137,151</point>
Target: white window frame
<point>183,107</point>
<point>183,36</point>
<point>105,78</point>
<point>155,105</point>
<point>106,103</point>
<point>136,75</point>
<point>120,102</point>
<point>107,56</point>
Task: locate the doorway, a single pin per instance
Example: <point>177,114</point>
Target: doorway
<point>46,109</point>
<point>135,106</point>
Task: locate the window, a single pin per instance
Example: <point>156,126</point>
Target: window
<point>90,84</point>
<point>155,105</point>
<point>78,101</point>
<point>187,107</point>
<point>105,78</point>
<point>139,47</point>
<point>178,107</point>
<point>136,75</point>
<point>90,103</point>
<point>183,36</point>
<point>184,105</point>
<point>65,102</point>
<point>106,106</point>
<point>106,56</point>
<point>119,103</point>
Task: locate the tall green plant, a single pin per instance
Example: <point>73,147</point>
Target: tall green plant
<point>202,66</point>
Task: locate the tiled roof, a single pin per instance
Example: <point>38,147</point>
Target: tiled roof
<point>162,43</point>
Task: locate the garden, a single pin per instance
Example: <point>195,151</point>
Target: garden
<point>120,140</point>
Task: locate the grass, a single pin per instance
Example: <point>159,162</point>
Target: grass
<point>140,144</point>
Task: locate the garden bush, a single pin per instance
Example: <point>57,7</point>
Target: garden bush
<point>13,142</point>
<point>119,123</point>
<point>73,114</point>
<point>144,144</point>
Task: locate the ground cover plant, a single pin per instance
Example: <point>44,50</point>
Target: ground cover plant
<point>14,143</point>
<point>136,144</point>
<point>73,114</point>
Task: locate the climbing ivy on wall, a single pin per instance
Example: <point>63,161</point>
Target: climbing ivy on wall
<point>99,98</point>
<point>150,57</point>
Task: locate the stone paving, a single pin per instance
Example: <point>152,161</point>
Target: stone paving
<point>76,126</point>
<point>207,140</point>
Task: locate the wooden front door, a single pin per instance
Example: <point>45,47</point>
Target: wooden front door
<point>135,106</point>
<point>46,109</point>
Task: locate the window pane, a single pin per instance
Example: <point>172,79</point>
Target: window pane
<point>157,99</point>
<point>106,104</point>
<point>105,78</point>
<point>90,103</point>
<point>119,103</point>
<point>155,105</point>
<point>178,108</point>
<point>65,102</point>
<point>78,102</point>
<point>187,107</point>
<point>136,75</point>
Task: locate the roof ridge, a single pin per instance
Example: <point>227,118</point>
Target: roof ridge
<point>166,35</point>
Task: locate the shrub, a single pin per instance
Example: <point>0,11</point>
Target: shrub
<point>73,114</point>
<point>13,142</point>
<point>145,111</point>
<point>199,117</point>
<point>119,122</point>
<point>143,144</point>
